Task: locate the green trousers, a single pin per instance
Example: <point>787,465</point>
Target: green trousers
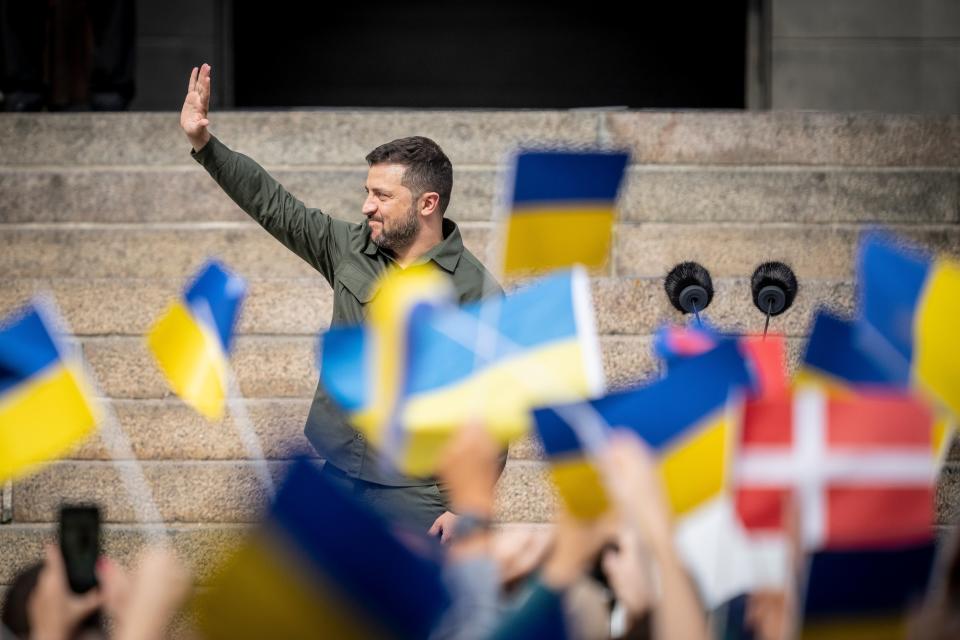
<point>415,507</point>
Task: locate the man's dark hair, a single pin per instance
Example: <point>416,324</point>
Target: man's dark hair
<point>427,167</point>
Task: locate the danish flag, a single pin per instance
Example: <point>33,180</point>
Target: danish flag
<point>859,466</point>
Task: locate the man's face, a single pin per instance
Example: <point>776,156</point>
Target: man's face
<point>390,207</point>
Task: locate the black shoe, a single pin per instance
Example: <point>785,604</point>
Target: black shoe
<point>24,101</point>
<point>108,101</point>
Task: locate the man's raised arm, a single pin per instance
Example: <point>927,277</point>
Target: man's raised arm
<point>310,233</point>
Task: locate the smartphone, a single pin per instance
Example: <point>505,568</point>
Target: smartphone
<point>80,545</point>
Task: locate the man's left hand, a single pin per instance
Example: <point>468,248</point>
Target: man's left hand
<point>443,526</point>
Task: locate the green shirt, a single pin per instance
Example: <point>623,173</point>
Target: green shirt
<point>351,262</point>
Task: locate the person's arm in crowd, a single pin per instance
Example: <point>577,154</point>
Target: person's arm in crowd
<point>145,602</point>
<point>472,491</point>
<point>310,233</point>
<point>574,549</point>
<point>469,470</point>
<point>677,611</point>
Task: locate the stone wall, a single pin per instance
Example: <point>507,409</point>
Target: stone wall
<point>899,56</point>
<point>110,214</point>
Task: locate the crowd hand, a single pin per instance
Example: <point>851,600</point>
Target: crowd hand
<point>115,585</point>
<point>638,490</point>
<point>196,108</point>
<point>54,610</point>
<point>469,468</point>
<point>628,573</point>
<point>518,552</point>
<point>575,548</point>
<point>772,614</point>
<point>766,615</point>
<point>159,585</point>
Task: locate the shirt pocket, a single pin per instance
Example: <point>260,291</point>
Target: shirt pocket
<point>358,284</point>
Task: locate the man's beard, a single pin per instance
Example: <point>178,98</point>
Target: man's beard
<point>401,236</point>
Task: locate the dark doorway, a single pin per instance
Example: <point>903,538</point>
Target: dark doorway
<point>448,54</point>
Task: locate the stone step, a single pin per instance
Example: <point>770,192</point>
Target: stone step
<point>484,137</point>
<point>303,306</point>
<point>220,491</point>
<point>284,367</point>
<point>785,137</point>
<point>111,251</point>
<point>651,194</point>
<point>820,252</point>
<point>169,430</point>
<point>188,194</point>
<point>292,137</point>
<point>648,250</point>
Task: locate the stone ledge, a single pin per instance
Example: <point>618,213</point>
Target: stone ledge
<point>283,137</point>
<point>821,252</point>
<point>786,137</point>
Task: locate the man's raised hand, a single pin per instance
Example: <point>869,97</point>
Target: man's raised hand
<point>193,116</point>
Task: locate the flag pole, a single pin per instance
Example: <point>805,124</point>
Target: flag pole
<point>248,437</point>
<point>122,457</point>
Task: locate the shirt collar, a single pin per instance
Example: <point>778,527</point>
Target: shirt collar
<point>445,253</point>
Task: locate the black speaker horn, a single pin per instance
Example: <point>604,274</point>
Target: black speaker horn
<point>774,288</point>
<point>689,287</point>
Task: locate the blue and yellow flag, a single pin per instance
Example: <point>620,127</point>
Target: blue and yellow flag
<point>684,419</point>
<point>573,469</point>
<point>834,358</point>
<point>191,340</point>
<point>563,206</point>
<point>489,362</point>
<point>910,302</point>
<point>46,404</point>
<point>322,566</point>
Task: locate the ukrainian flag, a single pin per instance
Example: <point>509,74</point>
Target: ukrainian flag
<point>191,340</point>
<point>833,358</point>
<point>910,305</point>
<point>576,477</point>
<point>322,566</point>
<point>489,362</point>
<point>45,401</point>
<point>562,209</point>
<point>683,417</point>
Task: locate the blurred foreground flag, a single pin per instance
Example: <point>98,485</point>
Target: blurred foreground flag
<point>685,419</point>
<point>910,305</point>
<point>865,594</point>
<point>45,402</point>
<point>322,566</point>
<point>563,206</point>
<point>859,466</point>
<point>835,359</point>
<point>674,342</point>
<point>490,362</point>
<point>191,340</point>
<point>572,468</point>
